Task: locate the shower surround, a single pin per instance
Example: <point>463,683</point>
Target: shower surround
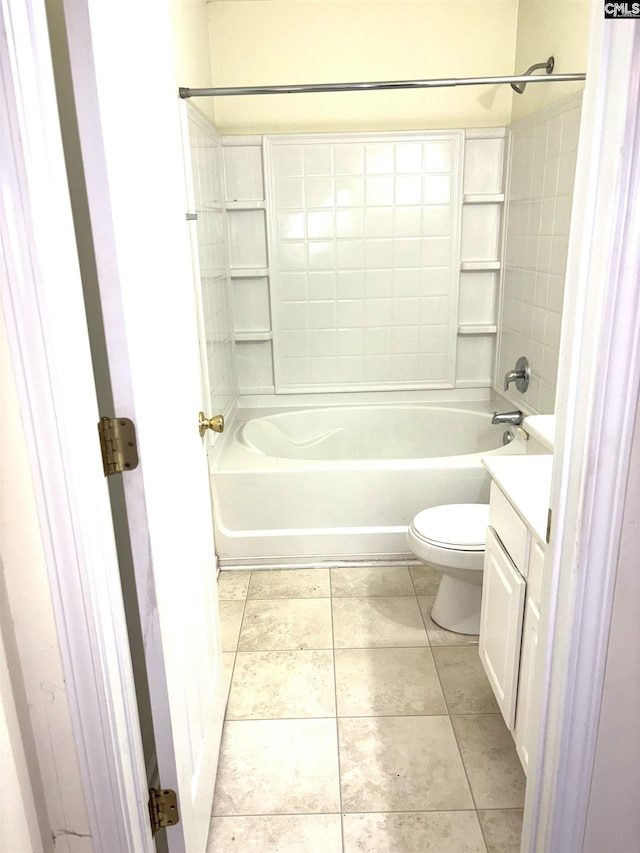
<point>365,271</point>
<point>365,262</point>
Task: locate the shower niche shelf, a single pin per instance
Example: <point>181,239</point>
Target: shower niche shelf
<point>479,266</point>
<point>483,198</point>
<point>246,205</point>
<point>477,329</point>
<point>252,337</point>
<point>249,272</point>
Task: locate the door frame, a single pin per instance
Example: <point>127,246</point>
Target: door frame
<point>49,347</point>
<point>596,411</point>
<point>54,379</point>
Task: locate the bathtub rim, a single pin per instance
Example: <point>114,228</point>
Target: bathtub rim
<point>232,455</point>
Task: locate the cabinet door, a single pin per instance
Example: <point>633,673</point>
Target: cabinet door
<point>527,712</point>
<point>503,592</point>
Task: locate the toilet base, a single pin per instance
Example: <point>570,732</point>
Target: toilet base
<point>457,606</point>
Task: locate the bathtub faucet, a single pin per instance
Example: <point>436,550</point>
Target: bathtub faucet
<point>514,418</point>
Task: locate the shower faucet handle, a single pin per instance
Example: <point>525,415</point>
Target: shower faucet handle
<point>520,375</point>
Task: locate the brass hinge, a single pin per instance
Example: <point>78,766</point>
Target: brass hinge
<point>549,517</point>
<point>118,445</point>
<point>163,808</point>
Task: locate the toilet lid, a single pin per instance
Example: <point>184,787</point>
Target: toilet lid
<point>462,527</point>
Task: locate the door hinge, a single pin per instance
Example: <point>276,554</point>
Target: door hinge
<point>549,518</point>
<point>118,445</point>
<point>163,808</point>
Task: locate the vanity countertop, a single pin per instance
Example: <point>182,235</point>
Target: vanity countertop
<point>526,481</point>
<point>542,428</point>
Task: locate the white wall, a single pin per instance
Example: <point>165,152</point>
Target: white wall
<point>613,821</point>
<point>19,829</point>
<point>286,41</point>
<point>27,612</point>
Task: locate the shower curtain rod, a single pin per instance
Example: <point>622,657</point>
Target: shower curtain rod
<point>364,87</point>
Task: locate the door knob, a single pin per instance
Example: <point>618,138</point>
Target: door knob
<point>216,423</point>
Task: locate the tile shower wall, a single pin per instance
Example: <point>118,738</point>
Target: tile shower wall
<point>378,275</point>
<point>365,245</point>
<point>543,149</point>
<point>206,203</point>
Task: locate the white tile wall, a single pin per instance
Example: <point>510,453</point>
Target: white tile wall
<point>364,245</point>
<point>543,150</point>
<point>211,263</point>
<point>359,289</point>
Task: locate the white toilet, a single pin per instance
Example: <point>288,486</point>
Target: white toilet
<point>451,539</point>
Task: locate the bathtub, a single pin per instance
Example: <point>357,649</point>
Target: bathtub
<point>340,485</point>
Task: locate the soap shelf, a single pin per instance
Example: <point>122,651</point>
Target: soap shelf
<point>483,198</point>
<point>477,329</point>
<point>246,205</point>
<point>248,337</point>
<point>249,272</point>
<point>479,266</point>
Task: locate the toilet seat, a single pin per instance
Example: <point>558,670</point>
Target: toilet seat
<point>454,527</point>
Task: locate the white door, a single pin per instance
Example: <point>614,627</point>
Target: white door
<point>503,591</point>
<point>132,160</point>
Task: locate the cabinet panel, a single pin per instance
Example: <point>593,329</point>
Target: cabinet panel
<point>536,568</point>
<point>527,713</point>
<point>503,594</point>
<point>510,529</point>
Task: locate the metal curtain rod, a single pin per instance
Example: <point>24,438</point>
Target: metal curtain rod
<point>364,87</point>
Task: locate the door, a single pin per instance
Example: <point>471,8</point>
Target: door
<point>132,159</point>
<point>503,592</point>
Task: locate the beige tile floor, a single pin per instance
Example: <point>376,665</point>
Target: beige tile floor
<point>354,723</point>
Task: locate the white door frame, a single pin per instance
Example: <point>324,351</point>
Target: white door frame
<point>46,326</point>
<point>598,392</point>
<point>599,370</point>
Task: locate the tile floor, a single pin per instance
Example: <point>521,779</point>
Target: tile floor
<point>355,724</point>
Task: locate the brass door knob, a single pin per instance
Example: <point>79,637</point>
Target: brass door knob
<point>216,423</point>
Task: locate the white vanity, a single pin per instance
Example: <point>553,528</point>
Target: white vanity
<point>513,570</point>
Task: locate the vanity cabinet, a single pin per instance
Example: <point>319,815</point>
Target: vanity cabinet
<point>510,619</point>
<point>503,596</point>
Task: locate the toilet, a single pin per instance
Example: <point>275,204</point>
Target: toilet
<point>451,539</point>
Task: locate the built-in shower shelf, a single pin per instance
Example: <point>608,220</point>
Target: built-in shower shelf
<point>252,337</point>
<point>477,329</point>
<point>249,272</point>
<point>479,266</point>
<point>246,205</point>
<point>483,198</point>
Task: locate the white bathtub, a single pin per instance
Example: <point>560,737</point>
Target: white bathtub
<point>341,485</point>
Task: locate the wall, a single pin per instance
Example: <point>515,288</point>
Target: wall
<point>19,825</point>
<point>613,820</point>
<point>542,161</point>
<point>558,28</point>
<point>381,268</point>
<point>30,638</point>
<point>191,49</point>
<point>211,266</point>
<point>286,41</point>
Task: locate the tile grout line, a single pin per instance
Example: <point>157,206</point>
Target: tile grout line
<point>335,696</point>
<point>235,651</point>
<point>331,597</point>
<point>464,767</point>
